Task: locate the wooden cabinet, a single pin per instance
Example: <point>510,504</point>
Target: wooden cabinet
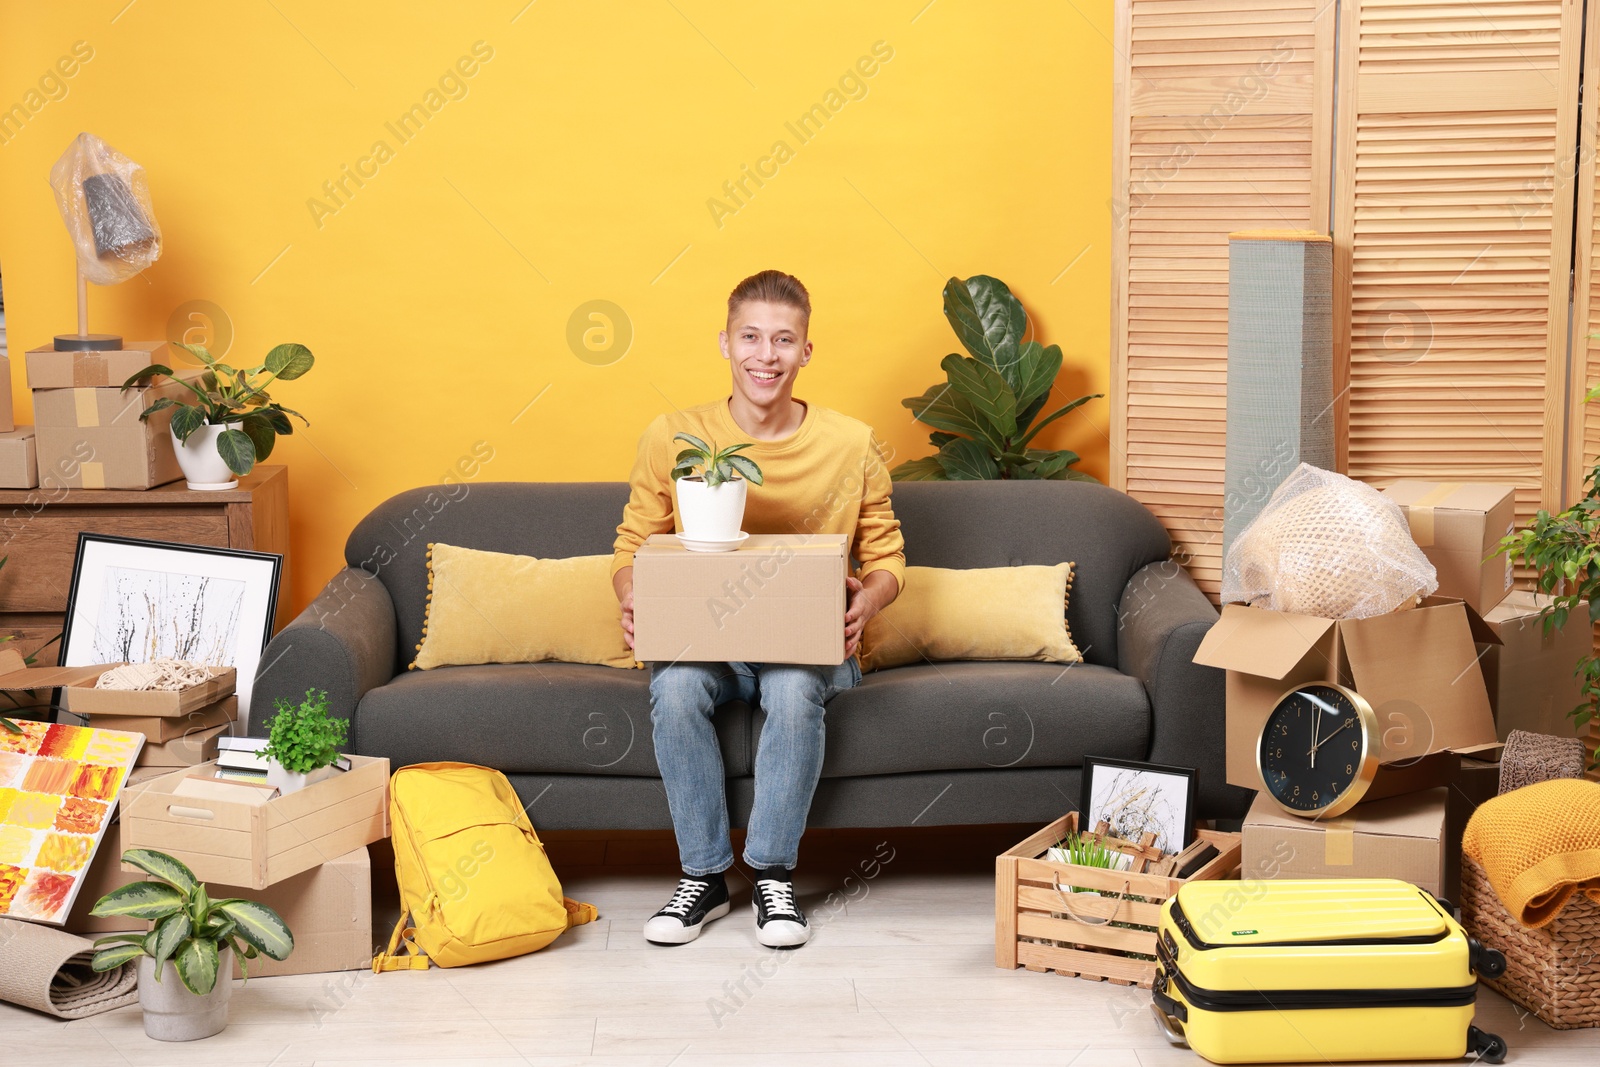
<point>39,537</point>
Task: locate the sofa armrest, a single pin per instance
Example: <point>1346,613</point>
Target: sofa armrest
<point>343,642</point>
<point>1160,621</point>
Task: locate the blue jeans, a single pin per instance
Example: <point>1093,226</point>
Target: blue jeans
<point>684,697</point>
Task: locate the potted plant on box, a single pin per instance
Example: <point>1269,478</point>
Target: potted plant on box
<point>983,413</point>
<point>711,503</point>
<point>186,959</point>
<point>303,743</point>
<point>232,422</point>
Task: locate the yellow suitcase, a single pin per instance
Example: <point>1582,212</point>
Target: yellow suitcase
<point>1293,971</point>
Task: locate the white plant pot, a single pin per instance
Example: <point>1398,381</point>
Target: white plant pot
<point>172,1013</point>
<point>289,781</point>
<point>202,465</point>
<point>711,512</point>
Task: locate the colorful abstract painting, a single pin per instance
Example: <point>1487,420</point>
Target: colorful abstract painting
<point>58,788</point>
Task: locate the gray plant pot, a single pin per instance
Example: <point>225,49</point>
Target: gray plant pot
<point>172,1013</point>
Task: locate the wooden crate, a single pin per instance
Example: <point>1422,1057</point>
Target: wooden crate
<point>1034,903</point>
<point>256,845</point>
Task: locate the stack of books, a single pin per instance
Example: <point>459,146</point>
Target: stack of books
<point>240,759</point>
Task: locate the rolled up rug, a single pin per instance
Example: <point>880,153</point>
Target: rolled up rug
<point>48,970</point>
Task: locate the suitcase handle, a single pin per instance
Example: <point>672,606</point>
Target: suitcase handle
<point>1066,899</point>
<point>1170,1015</point>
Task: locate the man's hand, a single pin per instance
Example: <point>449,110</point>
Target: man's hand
<point>864,600</point>
<point>622,584</point>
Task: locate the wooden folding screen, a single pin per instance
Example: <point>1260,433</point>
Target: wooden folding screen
<point>1223,121</point>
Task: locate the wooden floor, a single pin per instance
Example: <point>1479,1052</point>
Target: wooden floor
<point>903,973</point>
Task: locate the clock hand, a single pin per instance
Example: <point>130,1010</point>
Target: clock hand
<point>1316,729</point>
<point>1330,737</point>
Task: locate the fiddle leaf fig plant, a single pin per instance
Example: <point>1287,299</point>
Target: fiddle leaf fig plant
<point>190,928</point>
<point>984,414</point>
<point>718,466</point>
<point>233,397</point>
<point>302,738</point>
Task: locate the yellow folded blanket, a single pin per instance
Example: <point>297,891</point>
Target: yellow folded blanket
<point>1539,845</point>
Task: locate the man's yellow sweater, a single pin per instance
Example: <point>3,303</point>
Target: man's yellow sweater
<point>828,477</point>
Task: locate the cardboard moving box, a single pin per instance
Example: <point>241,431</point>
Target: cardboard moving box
<point>49,369</point>
<point>94,438</point>
<point>1418,669</point>
<point>1458,526</point>
<point>1530,674</point>
<point>8,419</point>
<point>1402,837</point>
<point>19,459</point>
<point>778,598</point>
<point>83,698</point>
<point>188,749</point>
<point>161,729</point>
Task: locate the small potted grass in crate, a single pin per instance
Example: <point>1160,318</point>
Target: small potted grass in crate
<point>303,743</point>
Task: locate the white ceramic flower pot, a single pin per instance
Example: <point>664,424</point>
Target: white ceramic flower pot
<point>172,1013</point>
<point>289,781</point>
<point>711,512</point>
<point>201,463</point>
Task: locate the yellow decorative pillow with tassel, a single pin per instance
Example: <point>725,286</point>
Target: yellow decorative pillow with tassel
<point>497,607</point>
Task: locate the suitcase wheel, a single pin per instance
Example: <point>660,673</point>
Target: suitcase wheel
<point>1490,1048</point>
<point>1485,962</point>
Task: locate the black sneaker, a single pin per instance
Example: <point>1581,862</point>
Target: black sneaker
<point>779,923</point>
<point>694,903</point>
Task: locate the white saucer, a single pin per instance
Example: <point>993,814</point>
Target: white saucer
<point>695,544</point>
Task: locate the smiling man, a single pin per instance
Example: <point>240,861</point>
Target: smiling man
<point>823,473</point>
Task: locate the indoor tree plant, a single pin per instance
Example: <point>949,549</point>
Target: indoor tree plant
<point>186,959</point>
<point>711,503</point>
<point>984,414</point>
<point>303,743</point>
<point>232,422</point>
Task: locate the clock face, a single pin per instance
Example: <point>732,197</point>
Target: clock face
<point>1315,752</point>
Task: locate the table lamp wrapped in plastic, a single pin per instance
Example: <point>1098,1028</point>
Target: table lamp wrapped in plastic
<point>1327,546</point>
<point>105,202</point>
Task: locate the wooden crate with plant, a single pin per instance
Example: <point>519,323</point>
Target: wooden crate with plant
<point>1079,916</point>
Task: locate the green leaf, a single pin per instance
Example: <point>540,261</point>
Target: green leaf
<point>140,900</point>
<point>289,361</point>
<point>681,472</point>
<point>160,405</point>
<point>746,467</point>
<point>1049,464</point>
<point>259,429</point>
<point>169,934</point>
<point>695,441</point>
<point>945,409</point>
<point>197,963</point>
<point>109,959</point>
<point>926,469</point>
<point>197,351</point>
<point>985,316</point>
<point>162,866</point>
<point>731,449</point>
<point>237,451</point>
<point>119,939</point>
<point>186,420</point>
<point>1037,367</point>
<point>689,457</point>
<point>149,372</point>
<point>966,461</point>
<point>986,390</point>
<point>938,438</point>
<point>1056,414</point>
<point>259,926</point>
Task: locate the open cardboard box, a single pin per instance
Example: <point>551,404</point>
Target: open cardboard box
<point>1417,668</point>
<point>82,698</point>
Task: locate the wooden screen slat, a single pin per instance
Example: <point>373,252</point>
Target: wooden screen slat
<point>1222,121</point>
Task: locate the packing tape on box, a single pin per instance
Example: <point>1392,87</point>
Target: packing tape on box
<point>87,409</point>
<point>1419,516</point>
<point>1339,842</point>
<point>93,475</point>
<point>89,368</point>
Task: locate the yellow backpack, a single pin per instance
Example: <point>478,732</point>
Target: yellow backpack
<point>475,884</point>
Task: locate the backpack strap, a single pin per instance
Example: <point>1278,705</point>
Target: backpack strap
<point>578,912</point>
<point>413,959</point>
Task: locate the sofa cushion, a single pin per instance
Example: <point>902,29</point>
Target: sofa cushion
<point>968,716</point>
<point>529,718</point>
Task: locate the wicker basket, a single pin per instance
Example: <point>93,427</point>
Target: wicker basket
<point>1553,971</point>
<point>1042,925</point>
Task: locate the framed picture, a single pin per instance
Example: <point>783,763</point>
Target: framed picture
<point>134,600</point>
<point>1135,798</point>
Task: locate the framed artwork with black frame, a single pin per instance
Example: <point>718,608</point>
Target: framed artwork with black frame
<point>1137,797</point>
<point>134,600</point>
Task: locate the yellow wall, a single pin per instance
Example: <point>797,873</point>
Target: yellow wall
<point>575,164</point>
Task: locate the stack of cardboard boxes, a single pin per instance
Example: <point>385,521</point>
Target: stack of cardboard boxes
<point>180,727</point>
<point>1448,680</point>
<point>18,468</point>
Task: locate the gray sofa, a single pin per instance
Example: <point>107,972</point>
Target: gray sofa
<point>930,744</point>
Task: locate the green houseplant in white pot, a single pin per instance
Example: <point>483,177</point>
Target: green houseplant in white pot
<point>711,503</point>
<point>186,959</point>
<point>233,422</point>
<point>303,743</point>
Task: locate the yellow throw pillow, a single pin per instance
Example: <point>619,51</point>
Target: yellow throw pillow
<point>991,613</point>
<point>496,607</point>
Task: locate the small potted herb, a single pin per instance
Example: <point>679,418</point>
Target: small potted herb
<point>711,503</point>
<point>303,743</point>
<point>186,960</point>
<point>232,423</point>
<point>1087,851</point>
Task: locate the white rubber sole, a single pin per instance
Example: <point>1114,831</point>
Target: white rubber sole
<point>781,933</point>
<point>670,931</point>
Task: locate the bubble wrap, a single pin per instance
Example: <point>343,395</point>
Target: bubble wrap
<point>105,202</point>
<point>1327,546</point>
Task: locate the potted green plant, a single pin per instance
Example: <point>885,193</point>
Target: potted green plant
<point>984,413</point>
<point>233,422</point>
<point>186,959</point>
<point>1087,852</point>
<point>711,503</point>
<point>303,743</point>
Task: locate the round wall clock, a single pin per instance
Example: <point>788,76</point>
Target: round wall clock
<point>1318,751</point>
